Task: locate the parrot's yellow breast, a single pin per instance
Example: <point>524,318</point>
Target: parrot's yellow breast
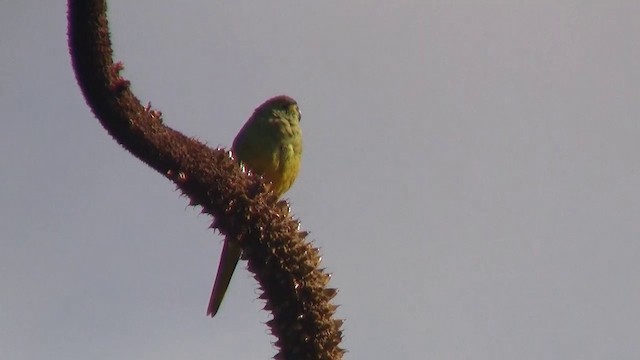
<point>272,149</point>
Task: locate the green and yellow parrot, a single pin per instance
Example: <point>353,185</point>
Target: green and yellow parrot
<point>269,144</point>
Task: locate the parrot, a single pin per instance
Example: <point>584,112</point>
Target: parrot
<point>269,144</point>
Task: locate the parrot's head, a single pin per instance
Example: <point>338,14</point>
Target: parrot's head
<point>282,107</point>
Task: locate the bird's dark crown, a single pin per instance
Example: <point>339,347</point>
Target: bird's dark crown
<point>280,100</point>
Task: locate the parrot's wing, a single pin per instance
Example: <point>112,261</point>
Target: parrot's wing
<point>228,261</point>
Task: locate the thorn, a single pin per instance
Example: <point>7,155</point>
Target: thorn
<point>119,83</point>
<point>330,293</point>
<point>117,67</point>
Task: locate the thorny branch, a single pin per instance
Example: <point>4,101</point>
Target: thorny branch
<point>285,266</point>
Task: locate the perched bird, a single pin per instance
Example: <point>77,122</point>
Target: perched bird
<point>269,144</point>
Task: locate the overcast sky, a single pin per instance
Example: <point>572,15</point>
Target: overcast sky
<point>470,172</point>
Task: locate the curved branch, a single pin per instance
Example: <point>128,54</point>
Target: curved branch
<point>284,264</point>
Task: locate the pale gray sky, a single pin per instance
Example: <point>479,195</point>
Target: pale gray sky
<point>471,174</point>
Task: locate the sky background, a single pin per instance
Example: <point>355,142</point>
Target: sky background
<point>470,172</point>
